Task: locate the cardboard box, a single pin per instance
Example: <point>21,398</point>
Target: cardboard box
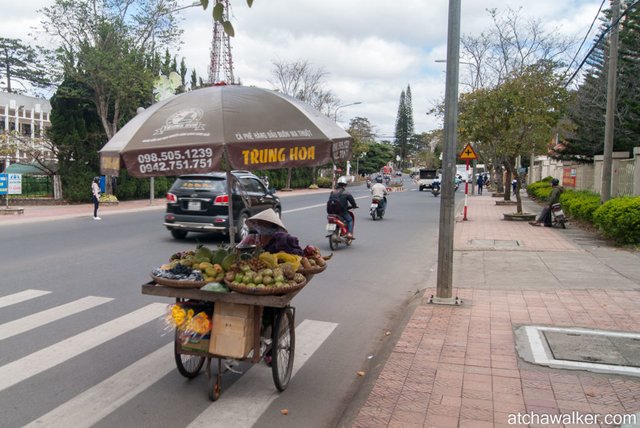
<point>231,346</point>
<point>233,310</point>
<point>232,326</point>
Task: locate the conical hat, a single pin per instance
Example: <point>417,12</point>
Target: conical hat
<point>267,216</point>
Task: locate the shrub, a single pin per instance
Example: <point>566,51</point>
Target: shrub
<point>539,189</point>
<point>580,204</point>
<point>324,182</point>
<point>619,219</point>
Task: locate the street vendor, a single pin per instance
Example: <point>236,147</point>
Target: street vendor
<point>267,231</point>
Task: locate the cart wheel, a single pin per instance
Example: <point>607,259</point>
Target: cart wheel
<point>188,365</point>
<point>214,388</point>
<point>283,348</point>
<point>333,240</point>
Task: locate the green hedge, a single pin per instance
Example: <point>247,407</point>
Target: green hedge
<point>619,219</point>
<point>580,204</point>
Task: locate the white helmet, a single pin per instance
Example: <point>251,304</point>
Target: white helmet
<point>342,180</point>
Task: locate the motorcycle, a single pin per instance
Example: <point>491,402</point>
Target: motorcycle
<point>377,209</point>
<point>435,188</point>
<point>558,219</point>
<point>338,231</point>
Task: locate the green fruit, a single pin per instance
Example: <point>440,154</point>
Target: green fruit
<point>228,261</point>
<point>257,279</point>
<point>267,280</point>
<point>239,277</point>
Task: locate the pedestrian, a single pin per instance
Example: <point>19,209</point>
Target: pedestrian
<point>480,183</point>
<point>95,195</point>
<point>514,186</point>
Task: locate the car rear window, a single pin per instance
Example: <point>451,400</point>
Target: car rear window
<point>216,185</point>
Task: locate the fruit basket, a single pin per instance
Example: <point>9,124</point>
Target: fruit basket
<point>178,283</point>
<point>266,291</point>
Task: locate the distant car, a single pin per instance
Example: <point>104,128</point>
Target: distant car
<point>399,173</point>
<point>199,203</point>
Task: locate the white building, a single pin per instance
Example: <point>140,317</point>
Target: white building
<point>30,117</point>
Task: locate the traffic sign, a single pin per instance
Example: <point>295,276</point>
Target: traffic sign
<point>468,153</point>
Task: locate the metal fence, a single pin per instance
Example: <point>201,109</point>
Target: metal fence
<point>37,185</point>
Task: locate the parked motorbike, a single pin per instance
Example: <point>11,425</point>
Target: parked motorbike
<point>338,232</point>
<point>558,219</point>
<point>435,188</point>
<point>377,208</point>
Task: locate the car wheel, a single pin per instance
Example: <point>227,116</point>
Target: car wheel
<point>278,211</point>
<point>178,234</point>
<point>241,227</point>
<point>421,188</point>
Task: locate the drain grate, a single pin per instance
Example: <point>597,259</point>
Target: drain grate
<point>580,349</point>
<point>495,243</point>
<point>594,348</point>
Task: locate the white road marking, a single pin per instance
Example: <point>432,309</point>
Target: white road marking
<point>30,322</point>
<point>22,296</point>
<point>89,407</point>
<point>245,401</point>
<point>314,206</point>
<point>33,364</point>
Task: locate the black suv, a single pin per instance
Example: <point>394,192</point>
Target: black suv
<point>199,203</point>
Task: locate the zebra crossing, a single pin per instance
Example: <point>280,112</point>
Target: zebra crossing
<point>253,390</point>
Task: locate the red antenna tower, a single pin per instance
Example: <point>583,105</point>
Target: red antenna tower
<point>221,66</point>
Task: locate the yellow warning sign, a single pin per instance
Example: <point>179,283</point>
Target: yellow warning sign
<point>468,153</point>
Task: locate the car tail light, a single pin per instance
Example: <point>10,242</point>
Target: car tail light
<point>221,200</point>
<point>171,198</point>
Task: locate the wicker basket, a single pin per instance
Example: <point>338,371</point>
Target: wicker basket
<point>267,291</point>
<point>177,283</point>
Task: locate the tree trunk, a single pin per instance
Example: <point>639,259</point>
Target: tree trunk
<point>288,186</point>
<point>507,184</point>
<point>499,179</point>
<point>57,187</point>
<point>512,172</point>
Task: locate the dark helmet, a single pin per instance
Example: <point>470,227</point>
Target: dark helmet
<point>96,179</point>
<point>555,182</point>
<point>378,179</point>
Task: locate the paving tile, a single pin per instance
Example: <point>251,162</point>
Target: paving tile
<point>440,421</point>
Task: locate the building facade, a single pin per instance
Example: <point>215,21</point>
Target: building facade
<point>29,117</point>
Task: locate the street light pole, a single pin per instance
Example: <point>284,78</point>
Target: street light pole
<point>447,201</point>
<point>335,119</point>
<point>335,112</point>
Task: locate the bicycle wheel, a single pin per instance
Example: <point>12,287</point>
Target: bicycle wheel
<point>283,348</point>
<point>188,365</point>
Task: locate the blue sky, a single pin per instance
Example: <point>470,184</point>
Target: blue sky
<point>371,49</point>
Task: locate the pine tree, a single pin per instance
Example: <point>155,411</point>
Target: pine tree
<point>404,126</point>
<point>19,62</point>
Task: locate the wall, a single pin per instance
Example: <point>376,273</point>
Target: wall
<point>625,177</point>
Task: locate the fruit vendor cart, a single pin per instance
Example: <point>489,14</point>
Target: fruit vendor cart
<point>270,337</point>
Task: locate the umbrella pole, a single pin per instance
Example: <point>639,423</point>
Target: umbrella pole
<point>231,220</point>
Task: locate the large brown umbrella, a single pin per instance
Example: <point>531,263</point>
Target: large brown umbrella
<point>255,128</point>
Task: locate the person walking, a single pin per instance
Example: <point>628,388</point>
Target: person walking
<point>95,196</point>
<point>480,183</point>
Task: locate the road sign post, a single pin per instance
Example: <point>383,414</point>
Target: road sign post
<point>467,155</point>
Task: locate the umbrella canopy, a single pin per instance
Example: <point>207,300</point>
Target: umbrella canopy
<point>256,129</point>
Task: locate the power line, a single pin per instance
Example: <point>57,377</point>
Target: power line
<point>585,36</point>
<point>604,33</point>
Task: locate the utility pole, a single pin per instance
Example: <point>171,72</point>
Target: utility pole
<point>609,127</point>
<point>444,290</point>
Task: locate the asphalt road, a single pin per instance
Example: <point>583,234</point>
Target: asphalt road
<point>100,360</point>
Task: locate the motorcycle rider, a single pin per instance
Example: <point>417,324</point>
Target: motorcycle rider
<point>554,198</point>
<point>379,191</point>
<point>346,202</point>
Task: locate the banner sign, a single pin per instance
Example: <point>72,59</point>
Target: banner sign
<point>4,184</point>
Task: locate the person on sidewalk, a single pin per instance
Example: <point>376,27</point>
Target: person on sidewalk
<point>480,183</point>
<point>554,198</point>
<point>95,196</point>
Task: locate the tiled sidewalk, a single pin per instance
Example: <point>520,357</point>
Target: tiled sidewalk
<point>457,366</point>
